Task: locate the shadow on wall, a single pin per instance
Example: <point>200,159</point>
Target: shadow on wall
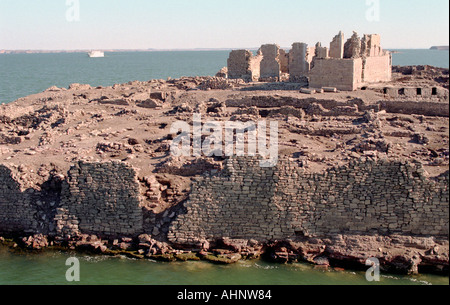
<point>30,210</point>
<point>95,198</point>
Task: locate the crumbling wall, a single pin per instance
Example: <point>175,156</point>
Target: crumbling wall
<point>270,64</point>
<point>298,62</point>
<point>330,106</point>
<point>96,198</point>
<point>416,107</point>
<point>101,199</point>
<point>427,92</point>
<point>343,74</point>
<point>255,67</point>
<point>246,201</point>
<point>337,46</point>
<point>284,61</point>
<point>320,52</point>
<point>371,46</point>
<point>243,64</point>
<point>16,207</point>
<point>353,63</point>
<point>352,48</point>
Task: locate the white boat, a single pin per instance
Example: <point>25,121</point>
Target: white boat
<point>96,54</point>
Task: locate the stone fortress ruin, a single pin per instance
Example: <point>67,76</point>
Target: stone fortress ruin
<point>345,65</point>
<point>363,166</point>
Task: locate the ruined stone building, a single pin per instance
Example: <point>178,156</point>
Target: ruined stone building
<point>345,65</point>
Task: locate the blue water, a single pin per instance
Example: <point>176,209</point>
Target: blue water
<point>25,74</point>
<point>50,268</point>
<point>419,57</point>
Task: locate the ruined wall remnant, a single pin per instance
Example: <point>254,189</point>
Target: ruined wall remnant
<point>298,61</point>
<point>321,52</point>
<point>100,198</point>
<point>337,46</point>
<point>249,202</point>
<point>243,64</point>
<point>273,63</point>
<point>416,107</point>
<point>425,92</point>
<point>352,48</point>
<point>371,45</point>
<point>243,201</point>
<point>270,64</point>
<point>370,64</point>
<point>284,61</point>
<point>17,209</point>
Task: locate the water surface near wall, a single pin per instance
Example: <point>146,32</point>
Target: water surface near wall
<point>49,269</point>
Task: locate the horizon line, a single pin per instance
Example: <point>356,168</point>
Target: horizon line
<point>3,51</point>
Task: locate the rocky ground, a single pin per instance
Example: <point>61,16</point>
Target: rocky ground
<point>45,133</point>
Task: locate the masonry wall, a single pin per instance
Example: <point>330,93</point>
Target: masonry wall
<point>17,211</point>
<point>96,198</point>
<point>243,201</point>
<point>343,74</point>
<point>377,69</point>
<point>337,46</point>
<point>298,64</point>
<point>100,198</point>
<point>242,64</point>
<point>270,63</point>
<point>416,107</point>
<point>255,67</point>
<point>249,202</point>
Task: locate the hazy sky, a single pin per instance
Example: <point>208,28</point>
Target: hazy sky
<point>142,24</point>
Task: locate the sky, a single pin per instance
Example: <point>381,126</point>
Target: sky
<point>188,24</point>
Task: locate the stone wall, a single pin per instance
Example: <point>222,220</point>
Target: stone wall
<point>298,62</point>
<point>345,65</point>
<point>418,92</point>
<point>377,69</point>
<point>416,107</point>
<point>337,46</point>
<point>100,198</point>
<point>242,201</point>
<point>243,64</point>
<point>17,210</point>
<point>271,63</point>
<point>371,45</point>
<point>284,61</point>
<point>343,74</point>
<point>94,198</point>
<point>249,202</point>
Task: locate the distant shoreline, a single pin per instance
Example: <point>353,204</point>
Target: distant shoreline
<point>106,50</point>
<point>396,50</point>
<point>440,48</point>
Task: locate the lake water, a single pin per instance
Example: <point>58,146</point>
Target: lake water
<point>50,269</point>
<point>25,74</point>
